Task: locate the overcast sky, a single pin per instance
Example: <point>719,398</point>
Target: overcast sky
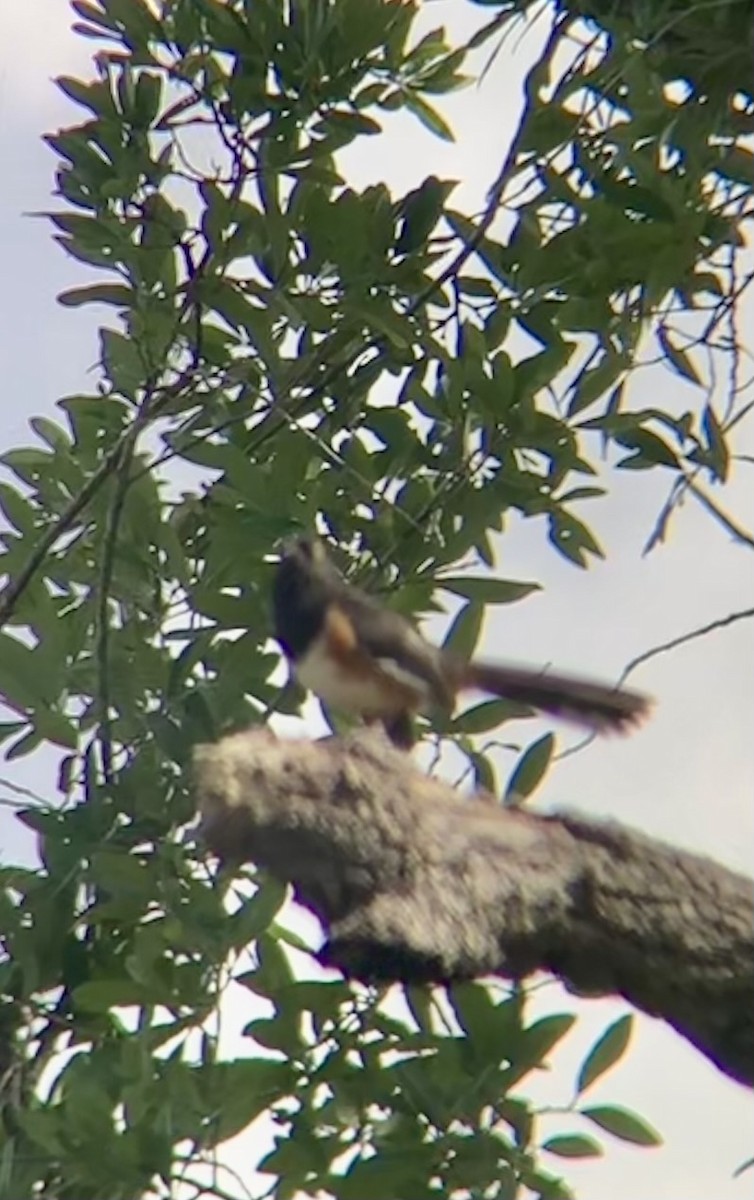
<point>687,777</point>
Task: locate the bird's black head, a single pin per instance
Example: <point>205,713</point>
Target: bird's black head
<point>307,552</point>
<point>304,583</point>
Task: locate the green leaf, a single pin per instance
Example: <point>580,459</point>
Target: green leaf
<point>54,726</point>
<point>147,99</point>
<point>421,1006</point>
<point>94,96</point>
<point>581,493</point>
<point>593,384</point>
<point>45,1129</point>
<point>19,513</point>
<point>100,995</point>
<point>118,872</point>
<point>281,1032</point>
<point>495,331</point>
<point>490,714</point>
<point>94,14</point>
<point>706,281</point>
<point>234,1093</point>
<point>535,1043</point>
<point>492,1028</point>
<point>20,680</point>
<point>717,456</point>
<point>98,293</point>
<point>471,285</point>
<point>429,48</point>
<point>256,914</point>
<point>348,125</point>
<point>488,591</point>
<point>530,769</point>
<point>623,1124</point>
<point>27,463</point>
<point>573,1145</point>
<point>419,212</point>
<point>465,628</point>
<point>651,450</point>
<point>572,538</point>
<point>24,745</point>
<point>444,77</point>
<point>91,255</point>
<point>273,972</point>
<point>428,116</point>
<point>323,998</point>
<point>391,1173</point>
<point>139,22</point>
<point>678,358</point>
<point>49,431</point>
<point>605,1052</point>
<point>485,776</point>
<point>122,361</point>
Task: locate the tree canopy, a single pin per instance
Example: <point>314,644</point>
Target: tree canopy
<point>403,376</point>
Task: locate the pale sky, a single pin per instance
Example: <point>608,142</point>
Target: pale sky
<point>687,777</point>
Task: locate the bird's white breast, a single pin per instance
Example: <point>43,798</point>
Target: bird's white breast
<point>337,688</point>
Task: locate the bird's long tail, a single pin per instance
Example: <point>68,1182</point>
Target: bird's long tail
<point>600,708</point>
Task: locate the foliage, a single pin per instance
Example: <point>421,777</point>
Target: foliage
<point>401,375</point>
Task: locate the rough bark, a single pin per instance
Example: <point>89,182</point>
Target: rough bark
<point>415,883</point>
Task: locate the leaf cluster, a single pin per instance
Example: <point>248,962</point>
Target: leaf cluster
<point>402,377</point>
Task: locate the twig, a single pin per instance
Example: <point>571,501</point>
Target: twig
<point>15,588</point>
<point>721,623</point>
<point>736,531</point>
<point>105,583</point>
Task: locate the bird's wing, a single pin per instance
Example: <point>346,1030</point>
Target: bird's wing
<point>393,641</point>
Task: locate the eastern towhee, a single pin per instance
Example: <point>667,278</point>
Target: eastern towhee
<point>361,658</point>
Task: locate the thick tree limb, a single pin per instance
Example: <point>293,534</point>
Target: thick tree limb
<point>415,883</point>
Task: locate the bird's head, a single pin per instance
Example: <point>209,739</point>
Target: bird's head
<point>306,553</point>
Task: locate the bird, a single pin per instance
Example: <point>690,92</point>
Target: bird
<point>360,657</point>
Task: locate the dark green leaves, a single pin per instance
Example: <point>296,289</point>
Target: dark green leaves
<point>20,683</point>
<point>488,591</point>
<point>97,293</point>
<point>490,714</point>
<point>286,349</point>
<point>537,1041</point>
<point>530,769</point>
<point>573,539</point>
<point>678,358</point>
<point>464,631</point>
<point>605,1053</point>
<point>716,454</point>
<point>419,212</point>
<point>232,1094</point>
<point>622,1124</point>
<point>574,1145</point>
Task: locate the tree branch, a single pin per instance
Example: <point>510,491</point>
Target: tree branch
<point>415,883</point>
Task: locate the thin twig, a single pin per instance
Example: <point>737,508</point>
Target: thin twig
<point>105,583</point>
<point>734,529</point>
<point>647,655</point>
<point>16,587</point>
<point>744,614</point>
